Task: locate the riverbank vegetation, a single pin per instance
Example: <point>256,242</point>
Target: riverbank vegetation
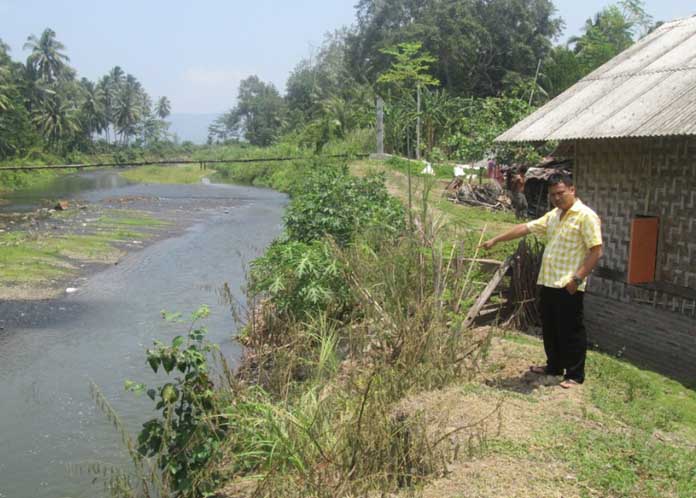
<point>359,380</point>
<point>181,174</point>
<point>35,261</point>
<point>349,311</point>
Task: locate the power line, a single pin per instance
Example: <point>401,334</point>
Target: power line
<point>173,162</point>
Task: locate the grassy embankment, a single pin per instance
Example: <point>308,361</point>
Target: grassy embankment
<point>20,180</point>
<point>181,174</point>
<point>625,433</point>
<point>35,262</point>
<point>359,381</point>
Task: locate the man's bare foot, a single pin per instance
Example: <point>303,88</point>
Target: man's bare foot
<point>569,383</point>
<point>538,369</point>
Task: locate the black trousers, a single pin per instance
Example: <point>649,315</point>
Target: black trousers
<point>565,339</point>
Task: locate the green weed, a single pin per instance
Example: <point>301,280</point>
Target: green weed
<point>640,398</point>
<point>626,463</point>
<point>180,174</point>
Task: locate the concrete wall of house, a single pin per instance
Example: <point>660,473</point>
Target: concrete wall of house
<point>621,179</point>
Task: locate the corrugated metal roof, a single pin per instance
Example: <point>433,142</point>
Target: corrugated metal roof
<point>647,90</point>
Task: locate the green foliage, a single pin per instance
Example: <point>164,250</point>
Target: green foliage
<point>45,106</point>
<point>335,204</point>
<point>285,176</point>
<point>608,33</point>
<point>323,428</point>
<point>258,116</point>
<point>408,67</point>
<point>476,44</point>
<point>562,69</point>
<point>300,273</point>
<point>183,439</point>
<point>480,122</point>
<point>326,102</point>
<point>300,278</point>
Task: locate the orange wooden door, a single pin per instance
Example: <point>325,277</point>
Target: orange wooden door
<point>642,253</point>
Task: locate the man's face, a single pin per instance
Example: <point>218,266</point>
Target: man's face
<point>562,196</point>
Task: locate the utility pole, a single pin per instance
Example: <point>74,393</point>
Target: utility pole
<point>380,125</point>
<point>536,76</point>
<point>418,120</point>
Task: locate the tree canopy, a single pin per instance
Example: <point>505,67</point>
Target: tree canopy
<point>478,44</point>
<point>44,105</point>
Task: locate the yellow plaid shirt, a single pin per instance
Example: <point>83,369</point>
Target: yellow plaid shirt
<point>568,241</point>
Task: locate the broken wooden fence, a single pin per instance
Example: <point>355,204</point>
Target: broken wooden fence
<point>521,308</point>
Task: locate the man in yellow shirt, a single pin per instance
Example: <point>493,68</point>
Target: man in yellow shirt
<point>573,248</point>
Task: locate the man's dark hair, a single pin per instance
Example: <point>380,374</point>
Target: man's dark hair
<point>563,178</point>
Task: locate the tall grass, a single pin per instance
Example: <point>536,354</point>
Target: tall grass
<point>315,408</point>
<point>328,421</point>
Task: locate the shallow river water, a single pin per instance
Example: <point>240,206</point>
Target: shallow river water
<point>49,425</point>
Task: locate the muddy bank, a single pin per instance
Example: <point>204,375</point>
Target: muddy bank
<point>114,225</point>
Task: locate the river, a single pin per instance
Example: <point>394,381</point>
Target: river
<point>49,425</point>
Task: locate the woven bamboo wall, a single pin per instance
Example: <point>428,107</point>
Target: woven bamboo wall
<point>622,178</point>
<point>651,338</point>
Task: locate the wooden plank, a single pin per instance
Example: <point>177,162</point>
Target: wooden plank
<point>484,261</point>
<point>487,291</point>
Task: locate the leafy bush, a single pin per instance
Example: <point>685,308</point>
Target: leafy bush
<point>300,273</point>
<point>336,204</point>
<point>183,439</point>
<point>299,278</point>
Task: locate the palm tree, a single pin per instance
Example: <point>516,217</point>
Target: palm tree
<point>116,77</point>
<point>55,119</point>
<point>92,111</point>
<point>163,107</point>
<point>128,108</point>
<point>5,75</point>
<point>5,101</point>
<point>106,95</point>
<point>46,57</point>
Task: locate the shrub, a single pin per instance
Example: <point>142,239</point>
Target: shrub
<point>299,278</point>
<point>334,204</point>
<point>183,439</point>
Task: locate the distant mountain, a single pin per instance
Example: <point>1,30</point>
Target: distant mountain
<point>189,126</point>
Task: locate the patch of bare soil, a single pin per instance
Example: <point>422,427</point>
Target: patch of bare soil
<point>505,476</point>
<point>491,426</point>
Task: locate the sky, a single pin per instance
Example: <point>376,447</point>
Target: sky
<point>196,53</point>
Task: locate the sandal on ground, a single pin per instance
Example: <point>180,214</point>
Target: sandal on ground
<point>538,369</point>
<point>568,383</point>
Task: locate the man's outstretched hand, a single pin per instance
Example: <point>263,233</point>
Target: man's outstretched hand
<point>514,233</point>
<point>488,244</point>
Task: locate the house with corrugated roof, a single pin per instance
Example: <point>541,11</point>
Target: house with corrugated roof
<point>630,127</point>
